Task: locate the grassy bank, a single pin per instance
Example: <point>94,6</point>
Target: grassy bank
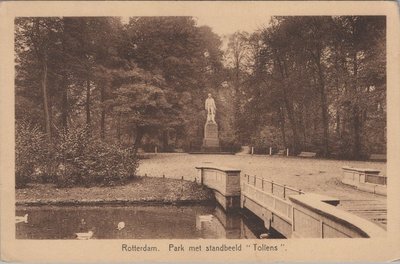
<point>139,190</point>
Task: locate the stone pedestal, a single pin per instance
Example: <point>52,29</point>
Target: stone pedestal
<point>210,141</point>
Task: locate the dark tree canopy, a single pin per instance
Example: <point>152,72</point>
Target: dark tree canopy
<point>307,83</point>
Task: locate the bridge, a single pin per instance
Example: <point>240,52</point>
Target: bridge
<point>223,225</point>
<point>289,211</point>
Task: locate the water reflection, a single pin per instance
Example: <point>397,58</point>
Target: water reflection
<point>135,222</point>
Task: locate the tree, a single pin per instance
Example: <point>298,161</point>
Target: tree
<point>37,44</point>
<point>145,104</point>
<point>333,64</point>
<point>189,60</point>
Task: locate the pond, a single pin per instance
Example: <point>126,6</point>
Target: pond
<point>136,222</point>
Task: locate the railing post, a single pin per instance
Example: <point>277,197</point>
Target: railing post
<point>255,178</point>
<point>272,187</point>
<point>262,184</point>
<point>284,191</point>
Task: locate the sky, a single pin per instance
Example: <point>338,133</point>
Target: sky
<point>225,22</point>
<point>241,22</point>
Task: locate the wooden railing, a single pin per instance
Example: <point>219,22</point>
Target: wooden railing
<point>277,205</point>
<point>274,188</point>
<point>269,194</point>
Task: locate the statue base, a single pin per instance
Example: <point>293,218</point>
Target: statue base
<point>211,140</point>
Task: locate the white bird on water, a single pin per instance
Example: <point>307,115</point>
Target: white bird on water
<point>19,219</point>
<point>121,225</point>
<point>84,236</point>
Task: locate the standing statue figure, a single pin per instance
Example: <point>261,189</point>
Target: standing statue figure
<point>211,108</point>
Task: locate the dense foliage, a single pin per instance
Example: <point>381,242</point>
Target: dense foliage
<point>30,151</point>
<point>315,84</point>
<point>86,160</point>
<point>73,158</point>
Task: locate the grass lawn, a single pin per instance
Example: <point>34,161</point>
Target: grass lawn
<point>142,189</point>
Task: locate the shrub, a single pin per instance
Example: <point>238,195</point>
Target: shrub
<point>107,164</point>
<point>73,158</point>
<point>30,152</point>
<point>84,160</point>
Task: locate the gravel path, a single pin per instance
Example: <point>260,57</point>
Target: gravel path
<point>310,175</point>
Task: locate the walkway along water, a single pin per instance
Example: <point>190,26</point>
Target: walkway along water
<point>291,212</point>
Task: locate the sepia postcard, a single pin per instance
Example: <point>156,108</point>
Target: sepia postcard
<point>210,131</point>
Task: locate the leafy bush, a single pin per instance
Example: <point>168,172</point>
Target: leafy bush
<point>74,158</point>
<point>30,152</point>
<point>84,160</point>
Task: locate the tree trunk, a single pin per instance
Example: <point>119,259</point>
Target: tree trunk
<point>337,74</point>
<point>302,121</point>
<point>103,113</point>
<point>119,127</point>
<point>238,127</point>
<point>46,98</point>
<point>88,121</point>
<point>356,113</point>
<point>293,123</point>
<point>289,106</point>
<point>282,125</point>
<point>165,136</point>
<point>324,107</point>
<point>64,108</point>
<point>138,138</point>
<point>357,133</point>
<point>338,123</point>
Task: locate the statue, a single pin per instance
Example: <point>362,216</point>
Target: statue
<point>210,140</point>
<point>211,109</point>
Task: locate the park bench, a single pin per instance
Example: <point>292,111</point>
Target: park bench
<point>378,157</point>
<point>305,154</point>
<point>141,154</point>
<point>179,150</point>
<point>281,152</point>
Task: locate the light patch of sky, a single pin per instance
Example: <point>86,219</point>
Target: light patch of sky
<point>229,21</point>
<point>226,23</point>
